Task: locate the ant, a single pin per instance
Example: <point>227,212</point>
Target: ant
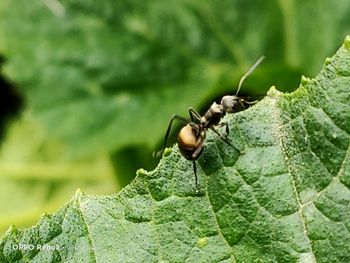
<point>192,136</point>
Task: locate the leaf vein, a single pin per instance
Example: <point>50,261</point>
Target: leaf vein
<point>87,227</point>
<point>278,120</point>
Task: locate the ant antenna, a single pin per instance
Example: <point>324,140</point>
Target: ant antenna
<point>256,64</point>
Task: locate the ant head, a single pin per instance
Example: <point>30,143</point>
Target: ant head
<point>190,140</point>
<point>229,103</point>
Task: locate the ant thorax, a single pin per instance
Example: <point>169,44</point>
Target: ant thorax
<point>213,115</point>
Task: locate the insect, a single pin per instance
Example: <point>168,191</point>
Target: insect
<point>192,136</point>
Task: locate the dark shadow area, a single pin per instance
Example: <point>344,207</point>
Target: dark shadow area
<point>128,160</point>
<point>11,102</point>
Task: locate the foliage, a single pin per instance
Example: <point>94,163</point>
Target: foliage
<point>95,72</point>
<point>37,174</point>
<point>284,197</point>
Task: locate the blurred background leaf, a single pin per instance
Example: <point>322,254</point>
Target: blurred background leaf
<point>100,80</point>
<point>37,175</point>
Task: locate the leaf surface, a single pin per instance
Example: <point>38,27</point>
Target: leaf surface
<point>283,198</point>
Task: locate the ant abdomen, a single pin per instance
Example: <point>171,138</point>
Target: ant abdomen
<point>189,141</point>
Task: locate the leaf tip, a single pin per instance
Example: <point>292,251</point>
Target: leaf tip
<point>167,152</point>
<point>273,92</point>
<point>328,61</point>
<point>141,172</point>
<point>347,42</point>
<point>12,230</point>
<point>304,80</point>
<point>44,215</point>
<point>78,194</point>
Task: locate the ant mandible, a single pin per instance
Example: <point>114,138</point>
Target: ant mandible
<point>192,136</point>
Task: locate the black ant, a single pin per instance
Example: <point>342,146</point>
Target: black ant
<point>192,136</point>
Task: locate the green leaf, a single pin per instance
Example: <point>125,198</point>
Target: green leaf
<point>284,198</point>
<point>37,174</point>
<point>93,72</point>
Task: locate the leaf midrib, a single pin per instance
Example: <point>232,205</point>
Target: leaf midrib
<point>277,116</point>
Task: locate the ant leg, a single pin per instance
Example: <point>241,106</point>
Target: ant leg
<point>244,102</point>
<point>241,103</point>
<point>223,138</point>
<point>174,117</point>
<point>195,175</point>
<point>227,128</point>
<point>198,150</point>
<point>194,157</point>
<point>249,102</point>
<point>194,114</point>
